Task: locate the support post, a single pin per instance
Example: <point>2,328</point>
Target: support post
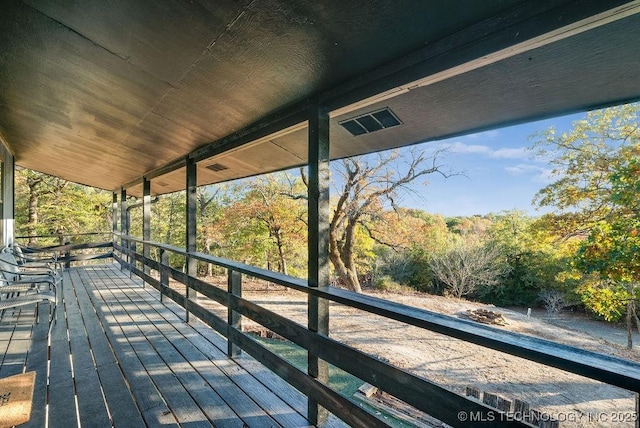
<point>192,264</point>
<point>124,228</point>
<point>318,244</point>
<point>7,183</point>
<point>234,319</point>
<point>146,222</point>
<point>114,215</point>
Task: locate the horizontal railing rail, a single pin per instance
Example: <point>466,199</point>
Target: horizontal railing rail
<point>69,250</point>
<point>441,403</point>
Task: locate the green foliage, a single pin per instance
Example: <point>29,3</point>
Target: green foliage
<point>386,283</point>
<point>597,165</point>
<point>47,205</point>
<point>608,300</point>
<point>585,158</point>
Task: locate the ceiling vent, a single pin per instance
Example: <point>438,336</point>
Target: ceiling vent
<point>371,122</point>
<point>217,167</point>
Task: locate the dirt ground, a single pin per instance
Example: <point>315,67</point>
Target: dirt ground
<point>573,400</point>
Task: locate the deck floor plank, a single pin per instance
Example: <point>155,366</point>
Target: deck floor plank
<point>173,327</point>
<point>62,403</point>
<point>152,405</point>
<point>37,362</point>
<point>158,356</point>
<point>120,401</point>
<point>92,409</point>
<point>134,325</point>
<point>16,353</point>
<point>269,392</point>
<point>117,356</point>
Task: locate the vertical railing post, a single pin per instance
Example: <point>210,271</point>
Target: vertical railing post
<point>62,240</point>
<point>123,228</point>
<point>164,271</point>
<point>67,256</point>
<point>146,223</point>
<point>133,247</point>
<point>192,264</point>
<point>234,319</point>
<point>318,244</point>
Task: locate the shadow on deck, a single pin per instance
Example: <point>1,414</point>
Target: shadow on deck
<point>117,356</point>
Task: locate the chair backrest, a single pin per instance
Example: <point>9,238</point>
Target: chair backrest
<point>17,250</point>
<point>8,266</point>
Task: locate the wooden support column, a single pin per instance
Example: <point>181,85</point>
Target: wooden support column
<point>318,243</point>
<point>8,195</point>
<point>146,221</point>
<point>123,227</point>
<point>192,264</point>
<point>114,215</point>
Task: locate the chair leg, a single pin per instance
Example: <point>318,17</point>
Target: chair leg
<point>53,319</point>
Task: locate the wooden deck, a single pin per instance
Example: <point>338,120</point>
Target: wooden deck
<point>117,356</point>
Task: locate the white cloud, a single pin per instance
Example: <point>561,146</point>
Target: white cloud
<point>515,153</point>
<point>501,153</point>
<point>539,174</point>
<point>458,147</point>
<point>522,169</point>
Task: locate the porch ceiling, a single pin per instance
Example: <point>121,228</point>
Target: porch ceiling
<point>104,93</point>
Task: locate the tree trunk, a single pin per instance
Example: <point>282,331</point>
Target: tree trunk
<point>32,220</point>
<point>282,260</point>
<point>207,250</point>
<point>630,324</point>
<point>348,276</point>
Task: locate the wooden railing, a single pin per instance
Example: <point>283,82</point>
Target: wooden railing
<point>72,248</point>
<point>424,395</point>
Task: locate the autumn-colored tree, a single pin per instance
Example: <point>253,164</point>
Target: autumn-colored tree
<point>269,202</point>
<point>368,185</point>
<point>612,249</point>
<point>405,240</point>
<point>584,160</point>
<point>595,165</point>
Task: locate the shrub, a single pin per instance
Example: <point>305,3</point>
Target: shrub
<point>386,283</point>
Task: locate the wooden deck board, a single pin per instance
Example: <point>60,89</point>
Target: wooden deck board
<point>194,362</point>
<point>120,402</point>
<point>92,408</point>
<point>153,408</point>
<point>37,361</point>
<point>268,389</point>
<point>117,355</point>
<point>20,342</point>
<point>135,324</point>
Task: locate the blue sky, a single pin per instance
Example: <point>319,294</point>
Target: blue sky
<point>499,172</point>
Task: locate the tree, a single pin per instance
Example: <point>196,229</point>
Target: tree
<point>403,240</point>
<point>47,205</point>
<point>37,185</point>
<point>465,266</point>
<point>612,249</point>
<point>584,160</point>
<point>369,184</point>
<point>596,166</point>
<point>268,202</point>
